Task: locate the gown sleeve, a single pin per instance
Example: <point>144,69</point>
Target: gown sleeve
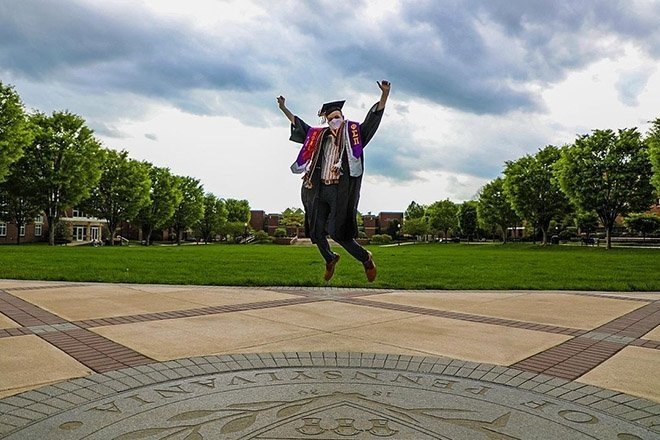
<point>370,124</point>
<point>299,130</point>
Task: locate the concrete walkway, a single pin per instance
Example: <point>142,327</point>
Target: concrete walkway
<point>601,349</point>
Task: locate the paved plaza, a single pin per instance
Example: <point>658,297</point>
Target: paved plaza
<point>120,361</point>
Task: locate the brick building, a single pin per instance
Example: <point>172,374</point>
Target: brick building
<point>373,224</point>
<point>34,232</point>
<point>258,220</point>
<point>81,228</point>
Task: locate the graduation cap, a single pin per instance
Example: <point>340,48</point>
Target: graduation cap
<point>330,107</point>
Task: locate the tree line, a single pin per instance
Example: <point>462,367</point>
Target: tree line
<point>597,178</point>
<point>51,163</point>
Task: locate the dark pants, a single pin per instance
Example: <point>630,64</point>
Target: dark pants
<point>325,222</point>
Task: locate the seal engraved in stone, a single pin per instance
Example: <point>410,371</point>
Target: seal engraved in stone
<point>368,417</point>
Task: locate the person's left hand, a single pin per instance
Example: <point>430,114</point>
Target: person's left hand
<point>384,86</point>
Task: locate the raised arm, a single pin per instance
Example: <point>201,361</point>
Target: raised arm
<point>287,113</point>
<point>372,121</point>
<point>384,93</point>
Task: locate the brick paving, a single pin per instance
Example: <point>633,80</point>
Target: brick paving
<point>25,313</point>
<point>583,352</point>
<point>469,317</point>
<point>95,351</point>
<point>580,355</point>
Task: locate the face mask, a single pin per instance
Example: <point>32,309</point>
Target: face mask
<point>335,123</point>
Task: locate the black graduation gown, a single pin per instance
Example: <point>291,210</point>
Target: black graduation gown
<point>348,192</point>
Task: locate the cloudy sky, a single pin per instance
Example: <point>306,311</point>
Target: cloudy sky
<point>192,85</point>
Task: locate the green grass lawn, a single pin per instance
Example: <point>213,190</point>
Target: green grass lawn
<point>423,266</point>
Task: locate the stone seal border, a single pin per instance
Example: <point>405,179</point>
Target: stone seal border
<point>325,395</point>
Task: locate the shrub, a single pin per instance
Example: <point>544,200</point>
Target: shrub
<point>262,237</point>
<point>381,239</point>
<point>62,231</point>
<point>280,232</point>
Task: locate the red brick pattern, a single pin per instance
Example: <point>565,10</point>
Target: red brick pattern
<point>17,331</point>
<point>467,317</point>
<point>646,343</point>
<point>92,350</point>
<point>634,324</point>
<point>190,312</point>
<point>25,313</point>
<point>571,359</point>
<point>95,351</point>
<point>578,356</point>
<point>568,360</point>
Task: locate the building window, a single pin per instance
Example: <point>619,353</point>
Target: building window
<point>3,229</point>
<point>38,225</point>
<point>76,213</point>
<point>79,233</point>
<point>21,231</point>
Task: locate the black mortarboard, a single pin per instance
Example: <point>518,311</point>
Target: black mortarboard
<point>330,107</point>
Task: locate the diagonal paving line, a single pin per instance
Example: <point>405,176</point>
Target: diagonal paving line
<point>92,350</point>
<point>189,313</point>
<point>582,354</point>
<point>95,351</point>
<point>568,360</point>
<point>24,313</point>
<point>469,317</point>
<point>48,286</point>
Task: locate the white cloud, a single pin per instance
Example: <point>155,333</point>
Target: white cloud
<point>192,86</point>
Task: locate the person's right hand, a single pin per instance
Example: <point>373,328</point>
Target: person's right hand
<point>280,101</point>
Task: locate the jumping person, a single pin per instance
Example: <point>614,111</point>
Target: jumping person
<point>332,163</point>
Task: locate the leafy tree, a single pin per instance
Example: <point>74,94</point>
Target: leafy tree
<point>190,209</point>
<point>414,210</point>
<point>64,161</point>
<point>393,228</point>
<point>608,173</point>
<point>415,226</point>
<point>441,217</point>
<point>643,223</point>
<point>293,217</point>
<point>164,197</point>
<point>586,222</point>
<point>215,216</point>
<point>122,191</point>
<point>15,130</point>
<point>358,219</point>
<point>530,186</point>
<point>236,229</point>
<point>653,144</point>
<point>467,218</point>
<point>494,209</point>
<point>238,210</point>
<point>18,203</point>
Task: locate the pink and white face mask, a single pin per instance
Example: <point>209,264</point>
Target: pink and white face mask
<point>335,123</point>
